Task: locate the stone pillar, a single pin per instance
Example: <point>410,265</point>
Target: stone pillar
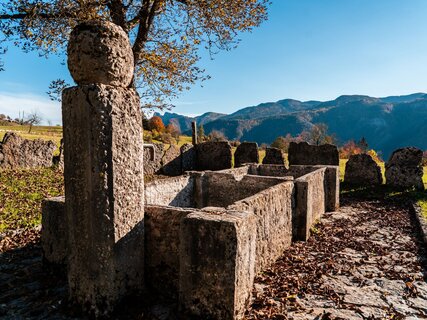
<point>194,132</point>
<point>104,182</point>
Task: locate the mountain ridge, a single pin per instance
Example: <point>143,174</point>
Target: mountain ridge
<point>387,123</point>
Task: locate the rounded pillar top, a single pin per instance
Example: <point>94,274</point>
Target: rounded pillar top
<point>100,52</point>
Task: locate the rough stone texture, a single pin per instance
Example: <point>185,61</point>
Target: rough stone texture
<point>54,231</point>
<point>153,162</point>
<point>332,179</point>
<point>17,152</point>
<point>171,162</point>
<point>422,221</point>
<point>174,191</point>
<point>362,170</point>
<point>404,169</point>
<point>331,183</point>
<point>246,152</point>
<point>273,156</point>
<point>100,52</point>
<point>273,209</point>
<point>217,260</point>
<point>162,240</point>
<point>304,154</point>
<point>103,187</point>
<point>188,157</point>
<point>309,203</point>
<point>222,189</point>
<point>214,155</point>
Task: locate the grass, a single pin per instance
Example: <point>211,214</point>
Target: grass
<point>22,192</point>
<point>37,132</point>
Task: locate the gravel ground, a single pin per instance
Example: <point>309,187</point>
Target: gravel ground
<point>364,262</point>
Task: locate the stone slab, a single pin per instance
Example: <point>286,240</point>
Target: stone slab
<point>54,231</point>
<point>304,154</point>
<point>217,260</point>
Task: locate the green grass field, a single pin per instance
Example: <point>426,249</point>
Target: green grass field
<point>37,132</point>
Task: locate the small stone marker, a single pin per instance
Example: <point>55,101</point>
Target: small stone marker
<point>273,156</point>
<point>213,155</point>
<point>104,182</point>
<point>404,169</point>
<point>246,152</point>
<point>305,154</point>
<point>362,170</point>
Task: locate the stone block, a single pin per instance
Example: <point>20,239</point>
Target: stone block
<point>273,156</point>
<point>217,260</point>
<point>309,203</point>
<point>304,154</point>
<point>273,209</point>
<point>188,157</point>
<point>223,189</point>
<point>153,158</point>
<point>54,231</point>
<point>162,242</point>
<point>174,191</point>
<point>103,187</point>
<point>404,169</point>
<point>171,162</point>
<point>214,156</point>
<point>17,152</point>
<point>246,152</point>
<point>362,170</point>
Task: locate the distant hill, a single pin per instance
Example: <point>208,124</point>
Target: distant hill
<point>387,123</point>
<point>184,122</point>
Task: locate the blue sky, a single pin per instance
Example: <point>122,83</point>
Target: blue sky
<point>307,50</point>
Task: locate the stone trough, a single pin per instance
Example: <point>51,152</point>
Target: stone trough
<point>208,234</point>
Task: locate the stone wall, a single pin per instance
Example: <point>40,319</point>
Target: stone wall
<point>273,209</point>
<point>207,258</point>
<point>17,152</point>
<point>217,264</point>
<point>162,243</point>
<point>332,179</point>
<point>304,154</point>
<point>309,203</point>
<point>223,189</point>
<point>174,191</point>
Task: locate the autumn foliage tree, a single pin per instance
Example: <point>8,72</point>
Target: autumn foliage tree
<point>167,35</point>
<point>156,124</point>
<point>173,130</point>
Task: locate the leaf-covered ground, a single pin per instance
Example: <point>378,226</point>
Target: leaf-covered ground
<point>21,196</point>
<point>364,262</point>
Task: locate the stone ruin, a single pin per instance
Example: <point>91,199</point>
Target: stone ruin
<point>404,169</point>
<point>273,156</point>
<point>201,238</point>
<point>362,170</point>
<point>17,152</point>
<point>208,234</point>
<point>246,152</point>
<point>304,153</point>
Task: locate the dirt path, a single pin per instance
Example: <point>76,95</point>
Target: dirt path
<point>364,262</point>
